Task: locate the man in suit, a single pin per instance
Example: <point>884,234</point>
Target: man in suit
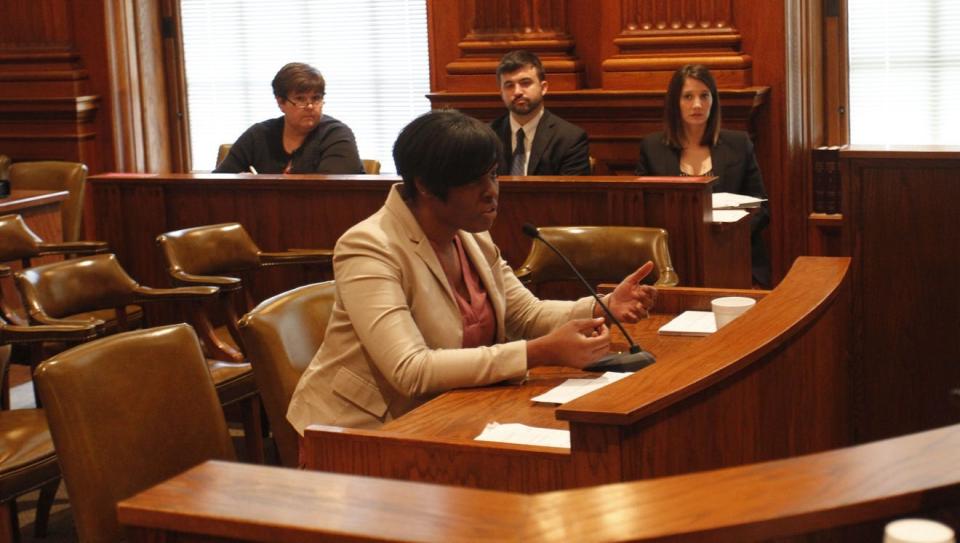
<point>535,141</point>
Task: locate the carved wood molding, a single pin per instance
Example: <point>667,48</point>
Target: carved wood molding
<point>42,72</point>
<point>79,109</point>
<point>497,27</point>
<point>659,36</point>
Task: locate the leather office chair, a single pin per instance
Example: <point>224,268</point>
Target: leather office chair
<point>603,254</point>
<point>4,167</point>
<point>160,418</point>
<point>371,166</point>
<point>27,458</point>
<point>223,151</point>
<point>53,175</point>
<point>218,255</point>
<point>55,293</point>
<point>281,336</point>
<point>19,243</point>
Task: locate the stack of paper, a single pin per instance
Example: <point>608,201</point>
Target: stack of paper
<point>728,200</point>
<point>690,323</point>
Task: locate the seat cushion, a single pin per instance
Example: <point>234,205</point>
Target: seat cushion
<point>27,458</point>
<point>234,380</point>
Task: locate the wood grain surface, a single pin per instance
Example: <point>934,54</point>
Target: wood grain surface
<point>809,498</point>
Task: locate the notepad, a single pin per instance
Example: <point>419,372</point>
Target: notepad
<point>572,389</point>
<point>521,434</point>
<point>729,215</point>
<point>690,323</point>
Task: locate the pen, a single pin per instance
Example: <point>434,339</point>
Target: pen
<point>253,170</point>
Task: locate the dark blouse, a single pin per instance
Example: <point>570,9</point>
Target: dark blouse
<point>329,148</point>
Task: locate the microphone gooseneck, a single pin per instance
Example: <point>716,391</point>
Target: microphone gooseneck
<point>637,358</point>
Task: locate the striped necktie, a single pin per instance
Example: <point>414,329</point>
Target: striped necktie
<point>519,155</point>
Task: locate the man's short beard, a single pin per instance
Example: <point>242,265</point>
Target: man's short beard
<point>521,110</point>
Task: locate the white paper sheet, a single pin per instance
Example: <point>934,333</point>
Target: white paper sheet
<point>690,323</point>
<point>572,389</point>
<point>729,200</point>
<point>729,215</point>
<point>521,434</point>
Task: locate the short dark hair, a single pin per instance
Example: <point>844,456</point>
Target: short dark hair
<point>298,78</point>
<point>671,111</point>
<point>517,60</point>
<point>444,149</point>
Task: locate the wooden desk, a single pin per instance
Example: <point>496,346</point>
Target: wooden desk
<point>289,211</point>
<point>40,209</point>
<point>772,384</point>
<point>838,495</point>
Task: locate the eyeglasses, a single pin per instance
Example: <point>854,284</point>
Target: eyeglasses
<point>304,103</point>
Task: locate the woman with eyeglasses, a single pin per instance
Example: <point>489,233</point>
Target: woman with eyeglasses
<point>304,140</point>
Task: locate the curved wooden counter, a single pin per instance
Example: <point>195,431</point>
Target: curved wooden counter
<point>772,384</point>
<point>836,491</point>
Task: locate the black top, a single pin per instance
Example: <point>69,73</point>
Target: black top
<point>736,169</point>
<point>329,148</point>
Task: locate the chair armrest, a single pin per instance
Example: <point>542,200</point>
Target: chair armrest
<point>224,283</point>
<point>73,247</point>
<point>147,294</point>
<point>39,317</point>
<point>59,332</point>
<point>668,278</point>
<point>523,274</point>
<point>297,256</point>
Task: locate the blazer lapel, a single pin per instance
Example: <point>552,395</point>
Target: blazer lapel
<point>719,157</point>
<point>494,292</point>
<point>422,247</point>
<point>545,132</point>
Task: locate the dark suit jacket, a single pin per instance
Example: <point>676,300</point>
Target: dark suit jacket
<point>559,148</point>
<point>735,166</point>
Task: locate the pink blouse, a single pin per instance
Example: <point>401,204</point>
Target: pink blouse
<point>479,324</point>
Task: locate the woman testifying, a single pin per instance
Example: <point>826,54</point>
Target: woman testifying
<point>425,303</point>
<point>693,144</point>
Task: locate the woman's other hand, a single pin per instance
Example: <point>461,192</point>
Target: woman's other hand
<point>577,343</point>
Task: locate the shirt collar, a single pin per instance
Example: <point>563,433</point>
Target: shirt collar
<point>529,129</point>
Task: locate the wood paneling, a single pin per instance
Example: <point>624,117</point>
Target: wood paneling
<point>627,49</point>
<point>899,210</point>
<point>47,109</point>
<point>86,81</point>
<point>492,29</point>
<point>658,36</point>
<point>115,54</point>
<point>280,212</point>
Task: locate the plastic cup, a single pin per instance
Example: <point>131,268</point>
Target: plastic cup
<point>917,530</point>
<point>730,307</point>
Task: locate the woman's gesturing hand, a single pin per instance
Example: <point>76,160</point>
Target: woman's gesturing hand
<point>631,301</point>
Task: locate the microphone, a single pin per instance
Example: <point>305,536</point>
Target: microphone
<point>634,360</point>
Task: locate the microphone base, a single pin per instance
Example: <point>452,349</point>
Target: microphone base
<point>622,362</point>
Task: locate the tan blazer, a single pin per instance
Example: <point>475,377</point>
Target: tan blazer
<point>395,335</point>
